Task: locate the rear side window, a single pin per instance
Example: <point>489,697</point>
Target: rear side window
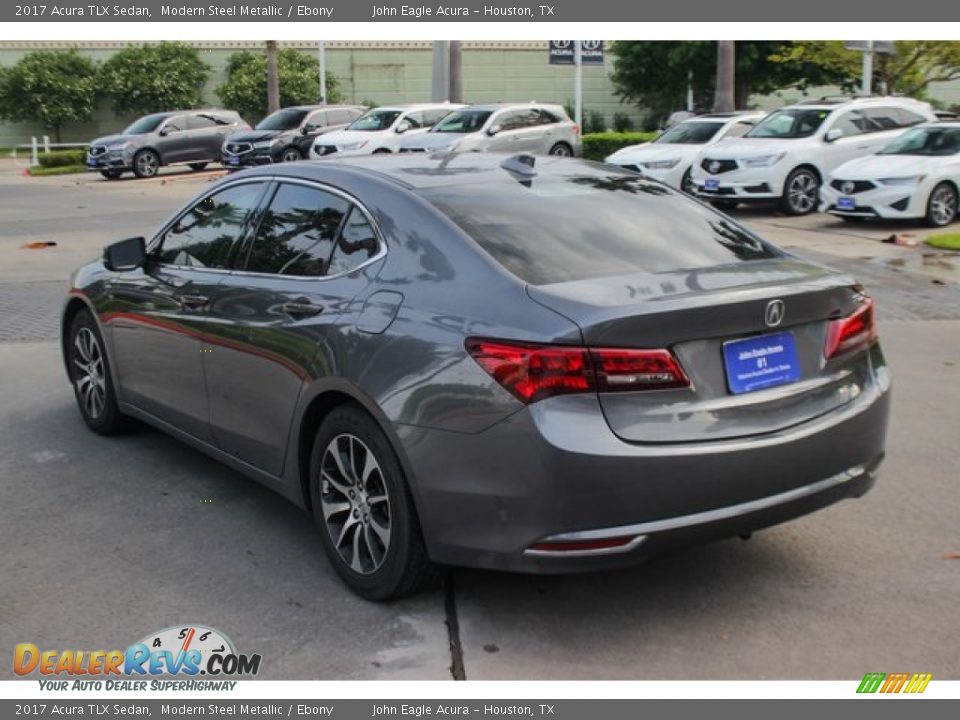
<point>357,243</point>
<point>205,234</point>
<point>593,225</point>
<point>297,232</point>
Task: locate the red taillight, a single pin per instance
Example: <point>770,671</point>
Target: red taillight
<point>637,370</point>
<point>534,372</point>
<point>854,332</point>
<point>576,129</point>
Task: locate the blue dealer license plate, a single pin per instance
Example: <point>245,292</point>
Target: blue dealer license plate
<point>846,203</point>
<point>761,362</point>
<point>711,185</point>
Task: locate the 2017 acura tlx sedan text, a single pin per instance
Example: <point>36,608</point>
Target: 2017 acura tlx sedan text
<point>536,365</point>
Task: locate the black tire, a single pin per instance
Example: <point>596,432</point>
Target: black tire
<point>90,378</point>
<point>687,186</point>
<point>111,174</point>
<point>357,517</point>
<point>941,205</point>
<point>197,167</point>
<point>561,149</point>
<point>381,151</point>
<point>801,192</point>
<point>725,205</point>
<point>146,164</point>
<point>290,154</point>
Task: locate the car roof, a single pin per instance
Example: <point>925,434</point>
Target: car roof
<point>726,115</point>
<point>411,106</point>
<point>420,171</point>
<point>832,103</point>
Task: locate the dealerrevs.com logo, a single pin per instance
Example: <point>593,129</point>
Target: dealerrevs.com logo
<point>889,683</point>
<point>180,651</point>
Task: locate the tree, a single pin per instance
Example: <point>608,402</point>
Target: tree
<point>908,71</point>
<point>724,99</point>
<point>142,79</point>
<point>273,81</point>
<point>654,74</point>
<point>49,87</point>
<point>245,89</point>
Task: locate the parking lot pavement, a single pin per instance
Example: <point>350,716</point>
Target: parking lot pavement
<point>106,540</point>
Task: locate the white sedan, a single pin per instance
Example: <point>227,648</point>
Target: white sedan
<point>380,130</point>
<point>915,176</point>
<point>670,157</point>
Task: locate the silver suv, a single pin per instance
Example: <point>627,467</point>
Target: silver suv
<point>528,127</point>
<point>180,137</point>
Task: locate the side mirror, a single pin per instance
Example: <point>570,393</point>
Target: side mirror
<point>308,129</point>
<point>493,130</point>
<point>403,127</point>
<point>163,132</point>
<point>833,134</point>
<point>125,255</point>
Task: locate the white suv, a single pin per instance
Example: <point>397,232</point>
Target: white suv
<point>381,129</point>
<point>790,152</point>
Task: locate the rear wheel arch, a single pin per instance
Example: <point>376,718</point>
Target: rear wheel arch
<point>318,408</point>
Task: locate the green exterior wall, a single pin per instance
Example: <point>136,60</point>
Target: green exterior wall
<point>383,72</point>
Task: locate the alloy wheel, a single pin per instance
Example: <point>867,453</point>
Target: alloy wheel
<point>355,503</point>
<point>89,374</point>
<point>943,205</point>
<point>290,155</point>
<point>147,164</point>
<point>802,192</point>
<point>560,150</point>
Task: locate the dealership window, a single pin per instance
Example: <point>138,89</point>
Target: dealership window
<point>297,232</point>
<point>357,243</point>
<point>205,234</point>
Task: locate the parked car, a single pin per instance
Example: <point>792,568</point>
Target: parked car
<point>379,130</point>
<point>286,135</point>
<point>180,137</point>
<point>915,176</point>
<point>671,156</point>
<point>477,359</point>
<point>507,127</point>
<point>790,153</point>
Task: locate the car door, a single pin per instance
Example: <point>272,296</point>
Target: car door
<point>157,313</point>
<point>173,140</point>
<point>268,321</point>
<point>206,137</point>
<point>315,124</point>
<point>853,143</point>
<point>518,131</point>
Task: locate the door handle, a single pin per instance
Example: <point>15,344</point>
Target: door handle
<point>193,302</point>
<point>301,309</point>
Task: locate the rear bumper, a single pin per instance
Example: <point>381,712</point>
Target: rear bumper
<point>555,472</point>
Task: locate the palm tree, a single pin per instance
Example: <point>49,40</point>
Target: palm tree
<point>723,99</point>
<point>273,78</point>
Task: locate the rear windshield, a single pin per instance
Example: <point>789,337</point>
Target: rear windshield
<point>587,225</point>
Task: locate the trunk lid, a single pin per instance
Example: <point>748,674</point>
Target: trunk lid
<point>694,313</point>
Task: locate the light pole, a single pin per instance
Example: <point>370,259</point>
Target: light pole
<point>322,57</point>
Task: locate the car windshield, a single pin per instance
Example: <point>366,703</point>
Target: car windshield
<point>692,132</point>
<point>926,141</point>
<point>144,125</point>
<point>462,121</point>
<point>594,224</point>
<point>790,123</point>
<point>288,119</point>
<point>375,120</point>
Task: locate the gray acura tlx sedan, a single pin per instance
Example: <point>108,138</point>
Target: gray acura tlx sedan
<point>537,365</point>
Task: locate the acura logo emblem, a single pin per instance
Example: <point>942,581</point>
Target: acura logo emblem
<point>847,187</point>
<point>775,312</point>
<point>713,166</point>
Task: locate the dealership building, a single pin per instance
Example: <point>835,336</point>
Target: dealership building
<point>372,72</point>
